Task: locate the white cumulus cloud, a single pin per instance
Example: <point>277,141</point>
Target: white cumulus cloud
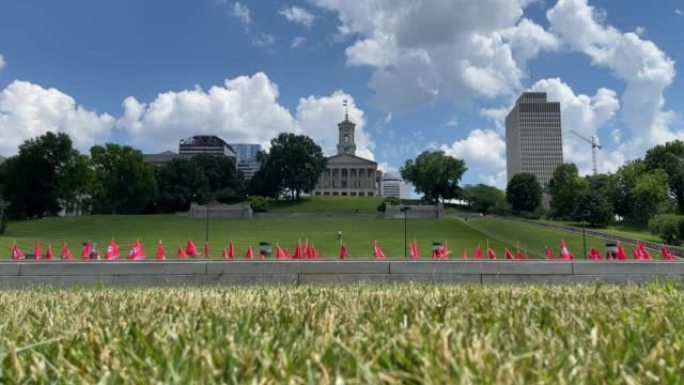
<point>298,15</point>
<point>318,118</point>
<point>2,62</point>
<point>28,110</point>
<point>640,63</point>
<point>427,50</point>
<point>244,109</point>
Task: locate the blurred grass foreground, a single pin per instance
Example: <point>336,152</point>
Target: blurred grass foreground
<point>333,335</point>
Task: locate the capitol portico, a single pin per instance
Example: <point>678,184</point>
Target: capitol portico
<point>347,174</point>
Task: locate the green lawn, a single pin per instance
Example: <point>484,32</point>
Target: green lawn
<point>624,229</point>
<point>534,238</point>
<point>328,204</point>
<point>410,334</point>
<point>358,233</point>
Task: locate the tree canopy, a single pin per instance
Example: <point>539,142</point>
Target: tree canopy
<point>524,193</point>
<point>435,174</point>
<point>295,162</point>
<point>124,183</point>
<point>483,198</point>
<point>565,187</point>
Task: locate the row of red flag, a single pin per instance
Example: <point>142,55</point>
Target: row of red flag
<point>308,251</point>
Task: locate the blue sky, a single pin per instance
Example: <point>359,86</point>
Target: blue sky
<point>429,74</point>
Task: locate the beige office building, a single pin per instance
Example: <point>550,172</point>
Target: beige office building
<point>347,174</point>
<point>534,143</point>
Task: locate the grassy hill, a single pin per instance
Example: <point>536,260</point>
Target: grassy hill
<point>358,233</point>
<point>327,204</point>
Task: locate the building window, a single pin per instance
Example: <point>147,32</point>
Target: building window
<point>334,193</point>
<point>344,193</point>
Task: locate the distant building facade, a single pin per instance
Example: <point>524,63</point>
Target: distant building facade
<point>393,186</point>
<point>189,147</point>
<point>249,167</point>
<point>244,151</point>
<point>534,142</point>
<point>347,174</point>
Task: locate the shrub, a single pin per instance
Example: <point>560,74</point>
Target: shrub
<point>259,204</point>
<point>669,227</point>
<point>390,200</point>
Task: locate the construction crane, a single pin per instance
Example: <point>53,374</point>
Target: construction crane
<point>594,146</point>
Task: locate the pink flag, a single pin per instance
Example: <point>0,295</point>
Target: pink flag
<point>445,250</point>
<point>161,254</point>
<point>191,249</point>
<point>181,254</point>
<point>17,253</point>
<point>37,251</point>
<point>377,251</point>
<point>565,253</point>
<point>298,251</point>
<point>87,249</point>
<point>465,254</point>
<point>231,250</point>
<point>549,253</point>
<point>491,254</point>
<point>344,252</point>
<point>112,251</point>
<point>49,254</point>
<point>280,254</point>
<point>478,252</point>
<point>643,252</point>
<point>667,255</point>
<point>136,252</point>
<point>414,250</point>
<point>66,253</point>
<point>621,255</point>
<point>250,253</point>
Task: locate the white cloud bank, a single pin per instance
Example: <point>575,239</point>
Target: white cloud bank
<point>298,15</point>
<point>28,110</point>
<point>243,109</point>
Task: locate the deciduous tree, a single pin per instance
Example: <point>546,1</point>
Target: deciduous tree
<point>435,174</point>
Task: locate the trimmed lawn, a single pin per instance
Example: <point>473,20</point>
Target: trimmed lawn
<point>328,204</point>
<point>534,238</point>
<point>358,233</point>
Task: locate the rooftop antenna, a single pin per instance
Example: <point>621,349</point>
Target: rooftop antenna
<point>594,146</point>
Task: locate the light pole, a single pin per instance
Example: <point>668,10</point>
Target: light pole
<point>206,227</point>
<point>584,241</point>
<point>405,210</point>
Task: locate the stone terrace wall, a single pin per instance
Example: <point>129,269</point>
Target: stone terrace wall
<point>205,272</point>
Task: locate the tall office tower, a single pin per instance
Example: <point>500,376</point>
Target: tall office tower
<point>533,137</point>
<point>245,151</point>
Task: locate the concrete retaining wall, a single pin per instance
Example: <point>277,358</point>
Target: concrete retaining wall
<point>238,211</point>
<point>206,272</point>
<point>415,211</point>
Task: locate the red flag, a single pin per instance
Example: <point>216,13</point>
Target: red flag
<point>161,254</point>
<point>465,254</point>
<point>643,252</point>
<point>667,255</point>
<point>316,253</point>
<point>306,252</point>
<point>191,249</point>
<point>491,254</point>
<point>66,253</point>
<point>17,253</point>
<point>478,252</point>
<point>621,255</point>
<point>85,251</point>
<point>97,254</point>
<point>37,251</point>
<point>287,253</point>
<point>564,252</point>
<point>49,254</point>
<point>377,251</point>
<point>437,253</point>
<point>112,251</point>
<point>594,254</point>
<point>231,250</point>
<point>413,250</point>
<point>508,254</point>
<point>635,254</point>
<point>520,255</point>
<point>224,253</point>
<point>445,250</point>
<point>250,253</point>
<point>181,254</point>
<point>549,253</point>
<point>298,250</point>
<point>344,252</point>
<point>137,252</point>
<point>280,254</point>
<point>206,249</point>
